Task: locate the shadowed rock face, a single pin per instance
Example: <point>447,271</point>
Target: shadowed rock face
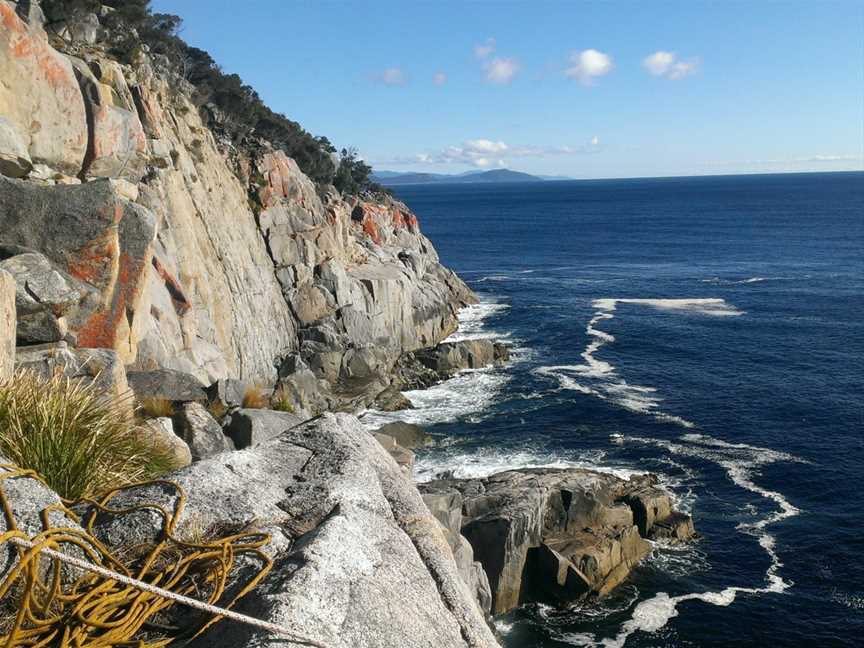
<point>558,535</point>
<point>96,237</point>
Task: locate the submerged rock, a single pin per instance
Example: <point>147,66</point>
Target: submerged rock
<point>557,535</point>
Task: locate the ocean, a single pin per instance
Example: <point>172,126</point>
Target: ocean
<point>707,329</point>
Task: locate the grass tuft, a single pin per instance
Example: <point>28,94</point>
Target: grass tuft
<point>217,408</point>
<point>281,401</point>
<point>156,407</point>
<point>79,440</point>
<point>254,398</point>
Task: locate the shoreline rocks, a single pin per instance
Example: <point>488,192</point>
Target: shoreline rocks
<point>556,535</point>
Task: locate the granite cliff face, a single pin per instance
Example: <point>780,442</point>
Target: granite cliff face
<point>159,240</point>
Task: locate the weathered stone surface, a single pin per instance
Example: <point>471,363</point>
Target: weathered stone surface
<point>98,238</point>
<point>228,391</point>
<point>161,432</point>
<point>250,427</point>
<point>450,357</point>
<point>14,158</point>
<point>174,386</point>
<point>406,435</point>
<point>200,431</point>
<point>43,297</point>
<point>391,400</point>
<point>7,324</point>
<point>359,561</point>
<point>675,527</point>
<point>552,534</point>
<point>403,457</point>
<point>117,145</point>
<point>102,366</point>
<point>39,98</point>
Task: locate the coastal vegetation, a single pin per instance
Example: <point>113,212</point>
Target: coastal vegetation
<point>227,105</point>
<point>77,438</point>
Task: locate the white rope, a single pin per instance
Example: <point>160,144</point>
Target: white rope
<point>185,600</point>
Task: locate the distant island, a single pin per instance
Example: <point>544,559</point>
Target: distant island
<point>394,178</point>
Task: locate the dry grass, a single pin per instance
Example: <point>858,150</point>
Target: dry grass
<point>80,441</point>
<point>254,398</point>
<point>156,407</point>
<point>217,408</point>
<point>281,401</point>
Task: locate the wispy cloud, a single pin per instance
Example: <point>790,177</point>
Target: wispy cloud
<point>501,70</point>
<point>833,162</point>
<point>485,153</point>
<point>485,49</point>
<point>439,78</point>
<point>669,66</point>
<point>588,65</point>
<point>393,76</point>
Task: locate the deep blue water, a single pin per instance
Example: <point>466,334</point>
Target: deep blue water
<point>748,405</point>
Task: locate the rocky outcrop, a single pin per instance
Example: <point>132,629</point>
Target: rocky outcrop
<point>359,560</point>
<point>181,251</point>
<point>100,366</point>
<point>250,427</point>
<point>7,324</point>
<point>557,535</point>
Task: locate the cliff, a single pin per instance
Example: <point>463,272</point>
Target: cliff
<point>177,249</point>
<point>144,249</point>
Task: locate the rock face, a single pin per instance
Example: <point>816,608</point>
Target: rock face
<point>249,427</point>
<point>359,560</point>
<point>7,324</point>
<point>102,366</point>
<point>183,252</point>
<point>558,535</point>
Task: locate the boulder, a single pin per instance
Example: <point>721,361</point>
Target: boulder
<point>7,324</point>
<point>553,535</point>
<point>250,427</point>
<point>449,357</point>
<point>392,400</point>
<point>161,432</point>
<point>43,297</point>
<point>675,527</point>
<point>92,234</point>
<point>403,457</point>
<point>358,559</point>
<point>174,386</point>
<point>228,391</point>
<point>40,100</point>
<point>406,435</point>
<point>101,366</point>
<point>204,436</point>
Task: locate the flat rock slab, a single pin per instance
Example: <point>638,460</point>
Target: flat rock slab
<point>174,386</point>
<point>249,427</point>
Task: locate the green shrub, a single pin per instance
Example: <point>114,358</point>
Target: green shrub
<point>80,441</point>
<point>281,401</point>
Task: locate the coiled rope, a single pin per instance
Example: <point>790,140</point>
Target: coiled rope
<point>112,602</point>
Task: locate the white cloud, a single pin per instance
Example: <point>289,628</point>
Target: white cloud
<point>485,153</point>
<point>393,76</point>
<point>501,70</point>
<point>439,78</point>
<point>587,65</point>
<point>485,49</point>
<point>667,65</point>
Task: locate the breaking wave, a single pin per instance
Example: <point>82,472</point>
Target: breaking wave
<point>599,378</point>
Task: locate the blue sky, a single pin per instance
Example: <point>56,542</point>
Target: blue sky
<point>584,89</point>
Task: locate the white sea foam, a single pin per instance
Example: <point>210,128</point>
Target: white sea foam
<point>734,282</point>
<point>599,378</point>
<point>478,463</point>
<point>473,321</point>
<point>740,461</point>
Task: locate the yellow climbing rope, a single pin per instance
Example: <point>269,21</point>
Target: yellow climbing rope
<point>64,607</point>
